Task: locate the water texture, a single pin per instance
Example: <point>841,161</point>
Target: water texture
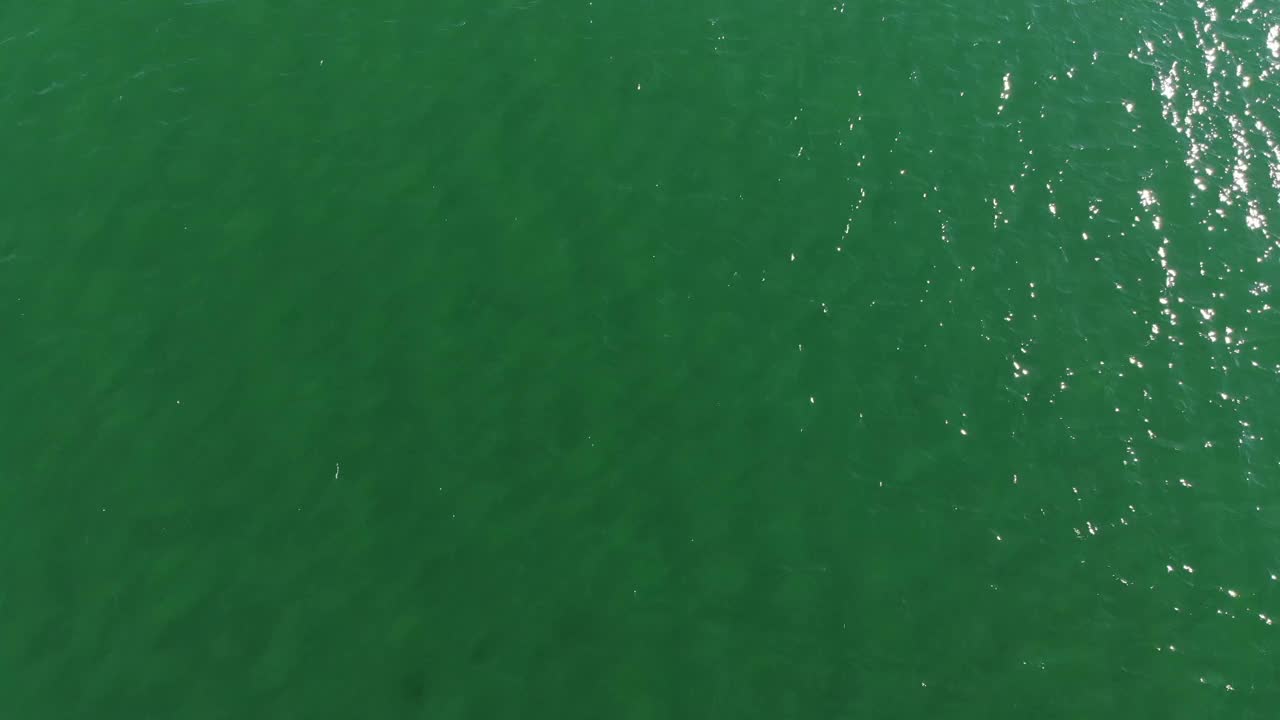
<point>598,359</point>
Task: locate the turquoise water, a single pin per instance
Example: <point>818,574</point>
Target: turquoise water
<point>639,360</point>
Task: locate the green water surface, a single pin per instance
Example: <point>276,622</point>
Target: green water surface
<point>598,359</point>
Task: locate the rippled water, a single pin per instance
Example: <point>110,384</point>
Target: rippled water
<point>510,359</point>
